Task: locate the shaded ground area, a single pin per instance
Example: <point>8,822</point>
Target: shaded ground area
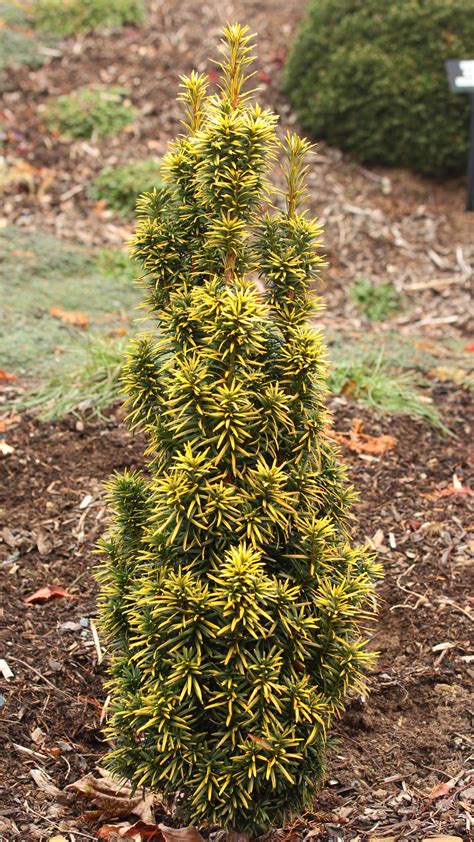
<point>392,749</point>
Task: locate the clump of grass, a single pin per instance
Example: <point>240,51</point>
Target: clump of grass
<point>95,110</point>
<point>87,381</point>
<point>119,187</point>
<point>378,301</point>
<point>66,17</point>
<point>380,386</point>
<point>17,48</point>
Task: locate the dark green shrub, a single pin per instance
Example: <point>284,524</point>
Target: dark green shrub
<point>369,76</point>
<point>90,110</point>
<point>233,604</point>
<point>119,187</point>
<point>66,17</point>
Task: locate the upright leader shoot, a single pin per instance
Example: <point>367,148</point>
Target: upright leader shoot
<point>233,603</point>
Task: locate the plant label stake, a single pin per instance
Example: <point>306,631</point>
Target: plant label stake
<point>461,81</point>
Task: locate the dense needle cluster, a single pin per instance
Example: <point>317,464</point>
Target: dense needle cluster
<point>232,602</point>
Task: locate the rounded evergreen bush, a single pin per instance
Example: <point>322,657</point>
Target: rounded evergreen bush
<point>369,77</point>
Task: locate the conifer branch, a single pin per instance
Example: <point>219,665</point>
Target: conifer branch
<point>237,55</point>
<point>192,94</point>
<point>296,150</point>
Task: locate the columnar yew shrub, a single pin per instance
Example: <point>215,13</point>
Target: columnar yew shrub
<point>232,602</point>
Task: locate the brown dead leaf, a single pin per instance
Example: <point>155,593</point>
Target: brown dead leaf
<point>440,790</point>
<point>259,741</point>
<point>5,448</point>
<point>445,374</point>
<point>18,173</point>
<point>44,783</point>
<point>69,317</point>
<point>8,420</point>
<point>124,830</point>
<point>8,537</point>
<point>360,442</point>
<point>442,839</point>
<point>7,376</point>
<point>180,834</point>
<point>48,592</point>
<point>42,544</point>
<point>448,491</point>
<point>115,798</point>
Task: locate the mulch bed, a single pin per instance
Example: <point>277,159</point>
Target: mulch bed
<point>392,749</point>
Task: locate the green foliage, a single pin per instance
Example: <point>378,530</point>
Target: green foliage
<point>378,301</point>
<point>233,604</point>
<point>66,17</point>
<point>369,77</point>
<point>119,187</point>
<point>100,111</point>
<point>17,47</point>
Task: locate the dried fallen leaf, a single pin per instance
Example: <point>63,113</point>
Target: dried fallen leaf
<point>259,741</point>
<point>42,544</point>
<point>6,449</point>
<point>5,670</point>
<point>48,592</point>
<point>8,537</point>
<point>448,491</point>
<point>115,798</point>
<point>442,839</point>
<point>377,541</point>
<point>360,442</point>
<point>69,317</point>
<point>383,838</point>
<point>448,373</point>
<point>124,830</point>
<point>44,783</point>
<point>7,421</point>
<point>6,376</point>
<point>440,790</point>
<point>18,173</point>
<point>180,834</point>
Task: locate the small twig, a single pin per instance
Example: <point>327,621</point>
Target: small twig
<point>95,638</point>
<point>43,678</point>
<point>421,597</point>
